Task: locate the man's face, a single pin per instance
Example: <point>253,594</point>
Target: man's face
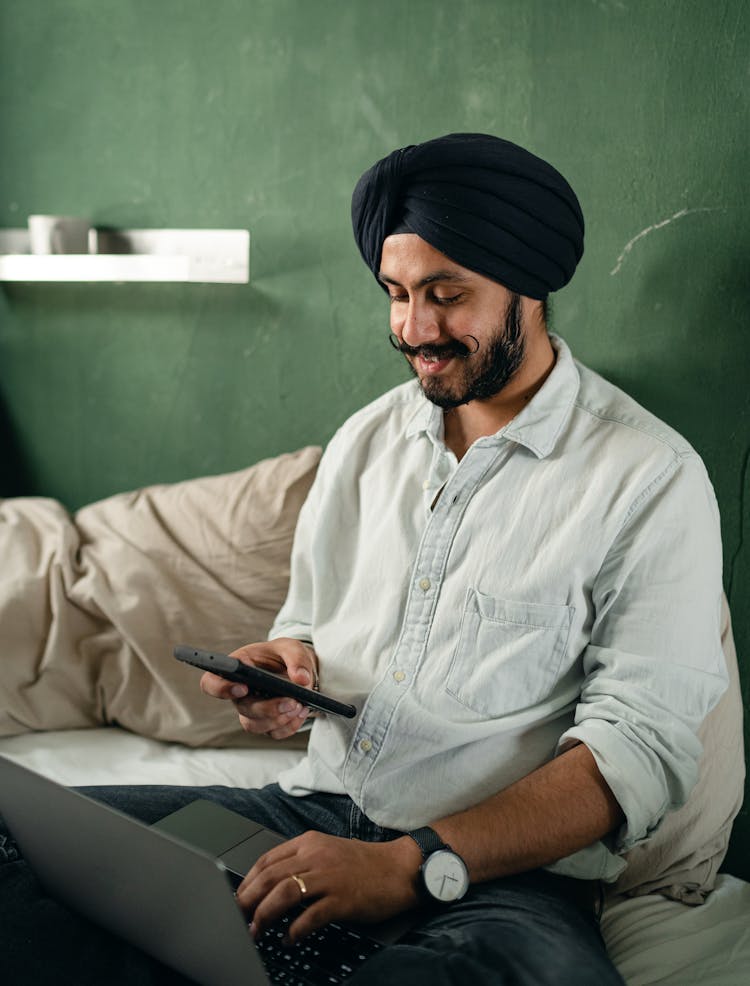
<point>436,306</point>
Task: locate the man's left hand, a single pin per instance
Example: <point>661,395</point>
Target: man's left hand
<point>345,879</point>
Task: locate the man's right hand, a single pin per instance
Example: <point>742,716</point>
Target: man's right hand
<point>275,717</point>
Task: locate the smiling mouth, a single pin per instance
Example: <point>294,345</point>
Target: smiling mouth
<point>431,364</point>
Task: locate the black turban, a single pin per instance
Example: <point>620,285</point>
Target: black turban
<point>487,204</point>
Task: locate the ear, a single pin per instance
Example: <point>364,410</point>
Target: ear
<point>535,313</point>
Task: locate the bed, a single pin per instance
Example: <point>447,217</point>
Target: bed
<point>90,605</point>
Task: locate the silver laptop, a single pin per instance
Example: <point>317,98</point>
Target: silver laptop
<point>166,888</point>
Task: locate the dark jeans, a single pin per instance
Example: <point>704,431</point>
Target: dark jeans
<point>533,929</point>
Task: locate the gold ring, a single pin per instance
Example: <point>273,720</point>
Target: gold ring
<point>300,883</point>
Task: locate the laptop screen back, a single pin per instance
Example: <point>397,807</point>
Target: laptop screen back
<point>152,889</point>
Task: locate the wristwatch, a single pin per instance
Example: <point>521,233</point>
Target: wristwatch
<point>443,874</point>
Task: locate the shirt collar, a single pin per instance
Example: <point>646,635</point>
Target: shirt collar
<point>537,426</point>
<point>426,418</point>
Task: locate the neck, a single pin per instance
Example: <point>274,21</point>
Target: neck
<point>468,422</point>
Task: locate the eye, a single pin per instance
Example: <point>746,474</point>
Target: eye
<point>398,297</point>
<point>447,299</point>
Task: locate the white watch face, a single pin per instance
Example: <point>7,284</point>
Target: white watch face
<point>445,876</point>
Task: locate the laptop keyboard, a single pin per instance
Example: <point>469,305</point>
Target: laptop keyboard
<point>330,955</point>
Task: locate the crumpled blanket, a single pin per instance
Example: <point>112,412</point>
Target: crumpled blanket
<point>92,604</point>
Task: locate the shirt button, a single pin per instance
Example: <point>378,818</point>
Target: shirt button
<point>426,484</point>
<point>424,584</point>
<point>365,745</point>
<point>399,676</point>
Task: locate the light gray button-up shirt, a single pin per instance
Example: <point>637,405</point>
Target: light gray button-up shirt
<point>565,586</point>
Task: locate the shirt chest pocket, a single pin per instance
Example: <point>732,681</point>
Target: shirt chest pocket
<point>508,653</point>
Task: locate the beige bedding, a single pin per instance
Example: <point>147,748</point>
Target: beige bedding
<point>91,605</point>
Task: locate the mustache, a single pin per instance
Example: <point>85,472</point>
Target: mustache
<point>449,349</point>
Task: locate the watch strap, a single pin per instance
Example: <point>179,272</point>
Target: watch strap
<point>428,840</point>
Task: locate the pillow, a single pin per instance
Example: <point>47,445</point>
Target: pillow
<point>91,606</point>
<point>45,680</point>
<point>681,859</point>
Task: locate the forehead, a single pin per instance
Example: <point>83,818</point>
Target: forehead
<point>408,259</point>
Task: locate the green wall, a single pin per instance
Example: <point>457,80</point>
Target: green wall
<point>262,114</point>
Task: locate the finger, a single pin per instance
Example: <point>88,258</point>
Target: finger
<point>218,687</point>
<point>279,718</point>
<point>272,729</point>
<point>317,915</point>
<point>286,731</point>
<point>302,666</point>
<point>268,709</point>
<point>292,657</point>
<point>302,674</point>
<point>268,870</point>
<point>291,726</point>
<point>285,896</point>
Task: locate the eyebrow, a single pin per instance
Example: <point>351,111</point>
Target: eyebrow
<point>438,275</point>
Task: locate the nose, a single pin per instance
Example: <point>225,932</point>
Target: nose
<point>415,323</point>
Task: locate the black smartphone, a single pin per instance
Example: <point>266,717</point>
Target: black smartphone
<point>263,683</point>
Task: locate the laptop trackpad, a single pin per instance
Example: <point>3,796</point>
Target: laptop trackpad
<point>242,857</point>
<point>210,827</point>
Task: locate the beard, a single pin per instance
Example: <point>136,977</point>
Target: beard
<point>484,373</point>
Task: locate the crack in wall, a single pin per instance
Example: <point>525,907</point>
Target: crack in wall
<point>744,487</point>
<point>660,225</point>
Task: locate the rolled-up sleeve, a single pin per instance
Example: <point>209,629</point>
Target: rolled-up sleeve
<point>654,666</point>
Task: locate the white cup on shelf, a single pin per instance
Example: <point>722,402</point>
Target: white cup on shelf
<point>58,234</point>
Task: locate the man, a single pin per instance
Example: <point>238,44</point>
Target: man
<point>514,573</point>
<point>517,579</point>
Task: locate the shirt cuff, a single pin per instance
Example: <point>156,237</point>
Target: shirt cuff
<point>299,631</point>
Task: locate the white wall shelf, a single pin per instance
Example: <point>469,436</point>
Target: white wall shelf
<point>119,255</point>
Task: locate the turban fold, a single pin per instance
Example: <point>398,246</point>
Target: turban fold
<point>487,204</point>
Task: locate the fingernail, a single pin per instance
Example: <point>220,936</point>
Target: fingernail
<point>304,676</point>
<point>253,929</point>
<point>304,712</point>
<point>238,691</point>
